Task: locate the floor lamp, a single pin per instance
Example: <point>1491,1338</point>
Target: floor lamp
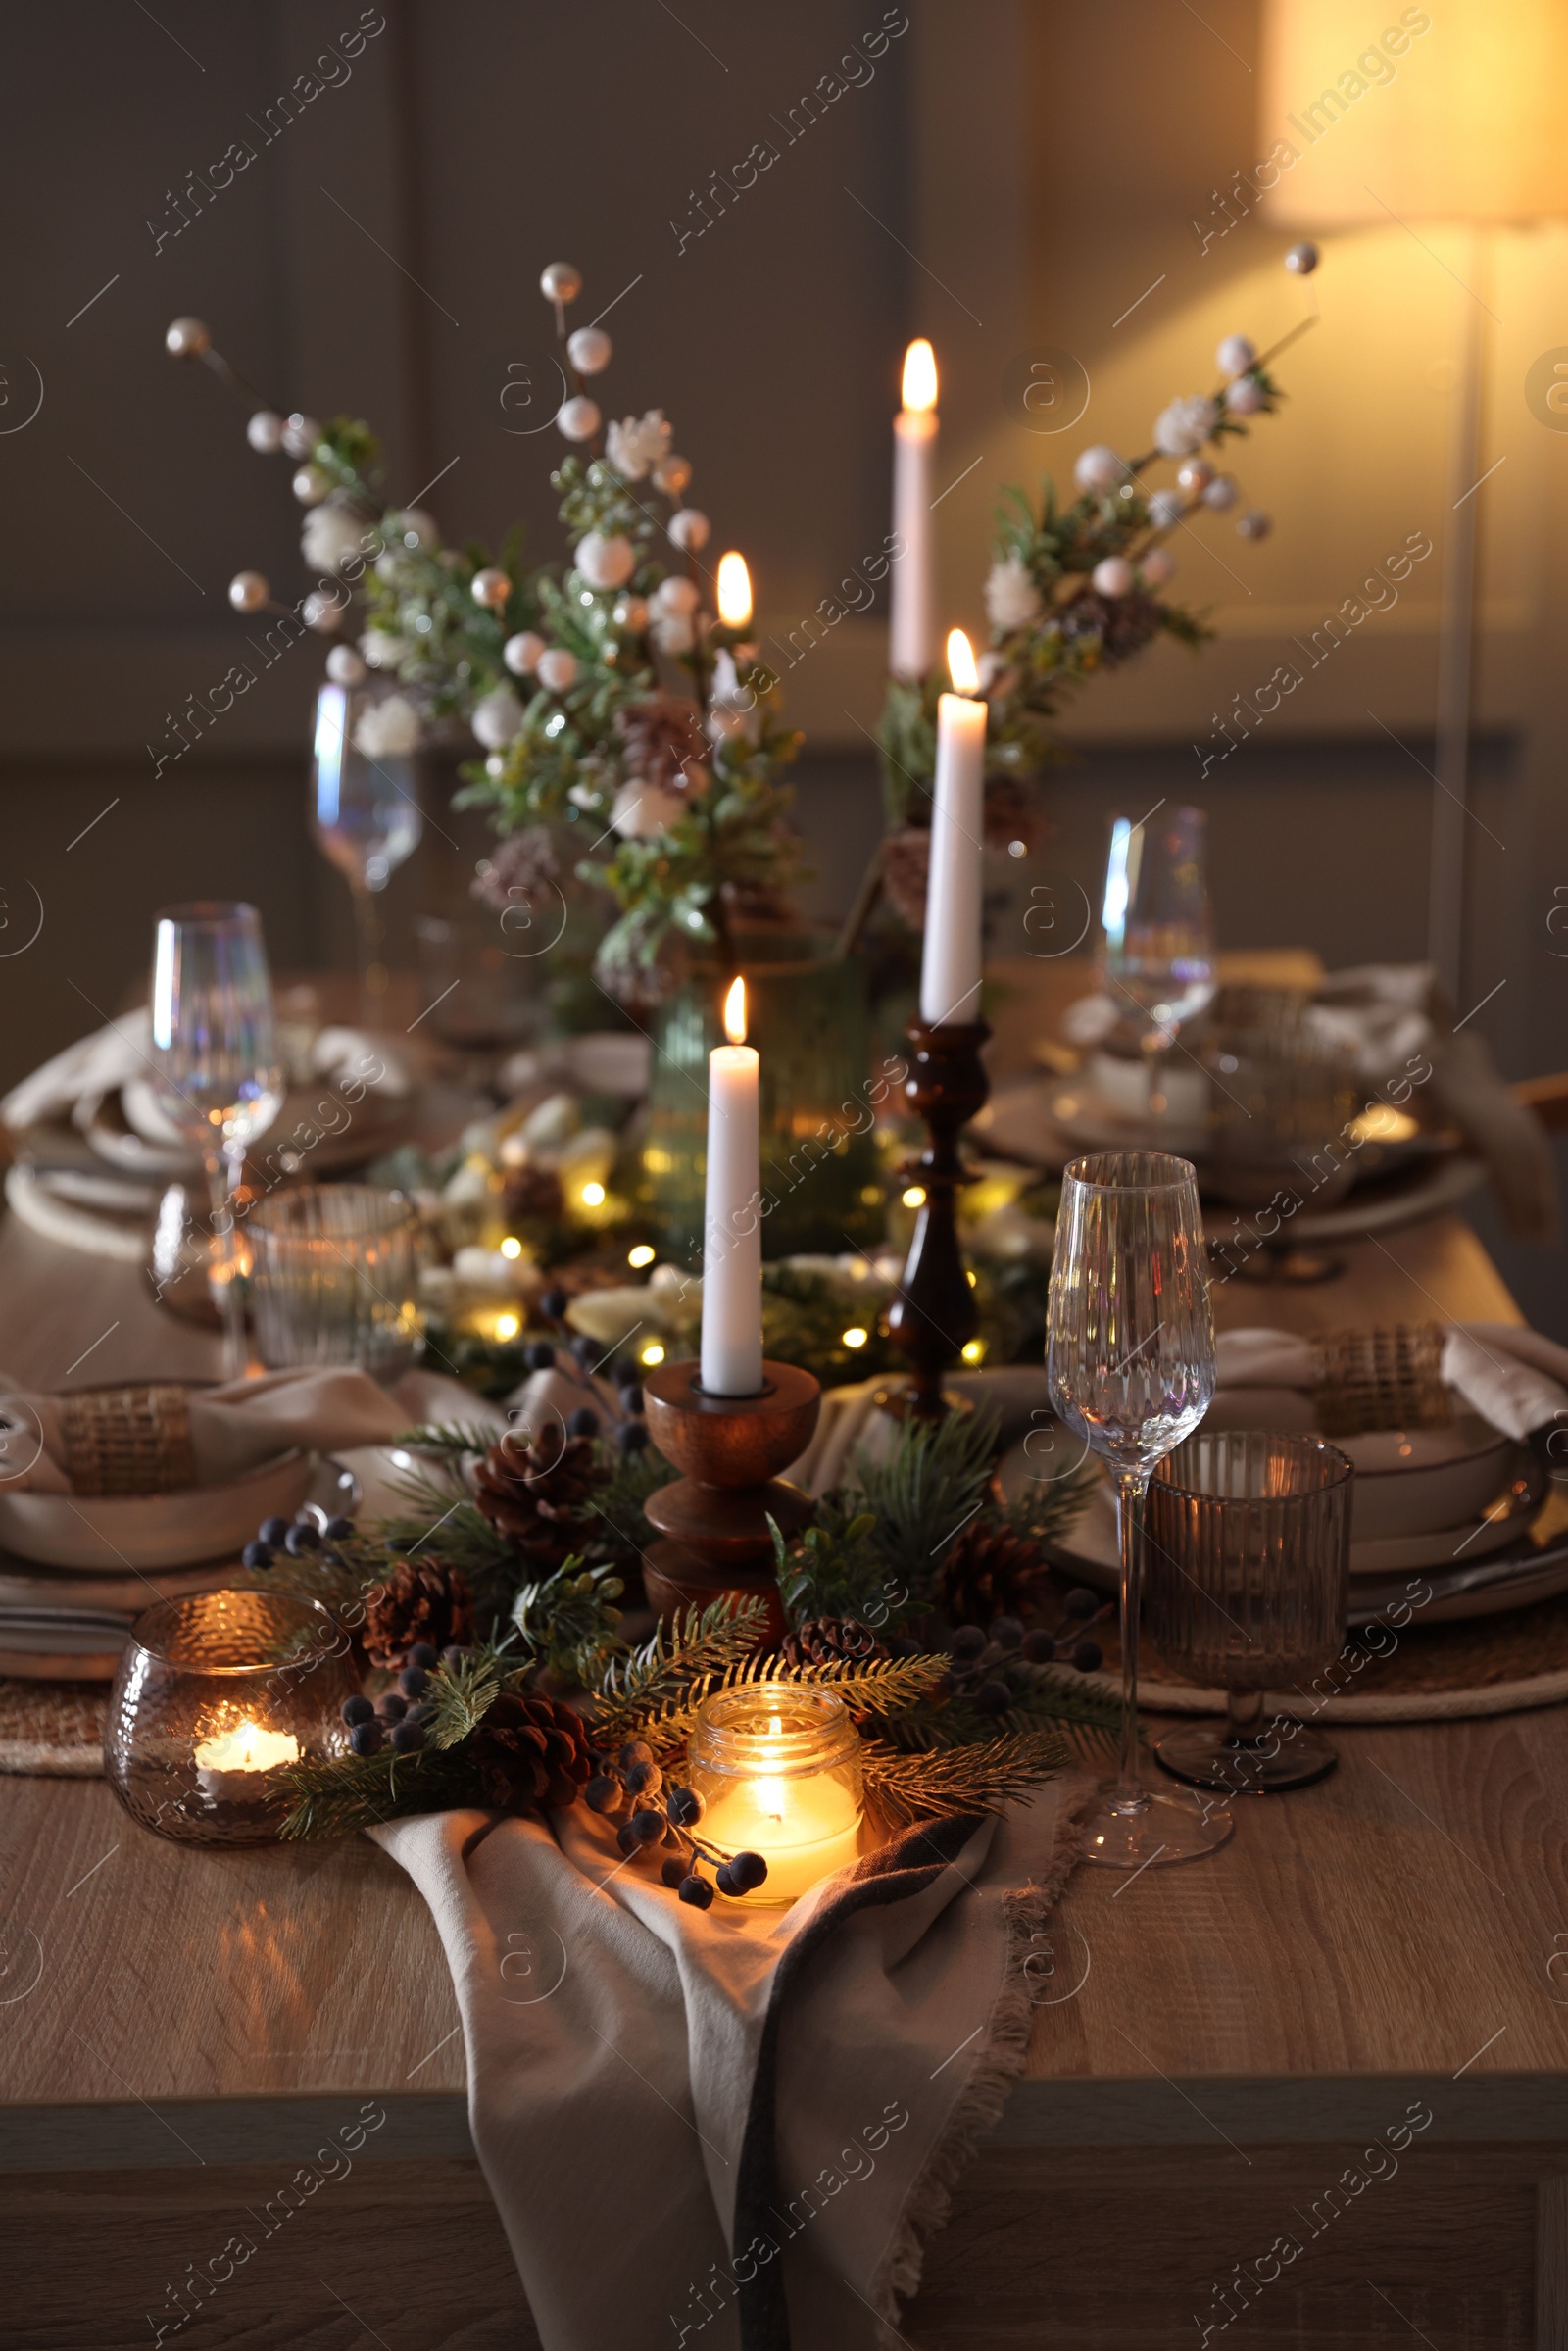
<point>1452,116</point>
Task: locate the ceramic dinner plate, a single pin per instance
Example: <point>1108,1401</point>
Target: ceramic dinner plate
<point>100,1532</point>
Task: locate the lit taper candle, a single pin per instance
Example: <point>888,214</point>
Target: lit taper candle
<point>732,1228</point>
<point>950,966</point>
<point>911,588</point>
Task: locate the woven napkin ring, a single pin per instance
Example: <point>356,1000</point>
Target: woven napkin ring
<point>1389,1378</point>
<point>127,1439</point>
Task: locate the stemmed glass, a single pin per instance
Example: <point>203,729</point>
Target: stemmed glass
<point>364,805</point>
<point>216,1064</point>
<point>1130,1360</point>
<point>1158,954</point>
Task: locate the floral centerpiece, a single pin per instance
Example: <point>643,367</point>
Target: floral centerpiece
<point>617,696</point>
<point>1076,586</point>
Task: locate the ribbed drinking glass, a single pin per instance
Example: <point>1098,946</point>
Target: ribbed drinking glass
<point>1248,1535</point>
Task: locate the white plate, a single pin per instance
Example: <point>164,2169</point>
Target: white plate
<point>1412,1481</point>
<point>1090,1542</point>
<point>102,1530</point>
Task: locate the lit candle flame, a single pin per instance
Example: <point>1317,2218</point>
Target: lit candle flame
<point>921,377</point>
<point>735,1012</point>
<point>961,663</point>
<point>734,589</point>
<point>246,1748</point>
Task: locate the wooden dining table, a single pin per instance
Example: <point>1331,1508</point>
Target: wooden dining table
<point>1345,2031</point>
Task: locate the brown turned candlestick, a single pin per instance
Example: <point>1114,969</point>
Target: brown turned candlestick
<point>933,1315</point>
<point>713,1518</point>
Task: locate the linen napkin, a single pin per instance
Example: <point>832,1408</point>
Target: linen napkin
<point>70,1084</point>
<point>238,1427</point>
<point>1511,1375</point>
<point>734,2127</point>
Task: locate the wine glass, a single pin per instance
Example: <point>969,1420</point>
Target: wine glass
<point>364,805</point>
<point>215,1065</point>
<point>1158,954</point>
<point>1130,1361</point>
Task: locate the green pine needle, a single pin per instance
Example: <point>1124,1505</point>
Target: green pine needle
<point>983,1778</point>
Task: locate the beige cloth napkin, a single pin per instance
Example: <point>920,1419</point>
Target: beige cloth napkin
<point>235,1428</point>
<point>72,1084</point>
<point>1509,1374</point>
<point>1394,1014</point>
<point>769,2106</point>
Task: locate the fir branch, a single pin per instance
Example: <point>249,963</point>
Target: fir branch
<point>566,1621</point>
<point>451,1440</point>
<point>336,1795</point>
<point>683,1655</point>
<point>983,1778</point>
<point>873,1690</point>
<point>934,1482</point>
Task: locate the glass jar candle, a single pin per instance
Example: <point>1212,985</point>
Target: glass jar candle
<point>778,1765</point>
<point>217,1695</point>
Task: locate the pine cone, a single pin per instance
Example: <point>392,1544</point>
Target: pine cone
<point>905,866</point>
<point>530,1752</point>
<point>827,1639</point>
<point>423,1600</point>
<point>665,745</point>
<point>990,1571</point>
<point>532,1191</point>
<point>535,1493</point>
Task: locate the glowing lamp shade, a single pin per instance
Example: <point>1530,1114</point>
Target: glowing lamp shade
<point>920,375</point>
<point>961,665</point>
<point>735,1012</point>
<point>734,589</point>
<point>1447,114</point>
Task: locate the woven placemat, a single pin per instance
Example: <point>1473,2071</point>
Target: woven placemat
<point>1415,1673</point>
<point>52,1730</point>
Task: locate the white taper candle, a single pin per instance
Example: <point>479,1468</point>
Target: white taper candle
<point>911,584</point>
<point>949,966</point>
<point>732,1227</point>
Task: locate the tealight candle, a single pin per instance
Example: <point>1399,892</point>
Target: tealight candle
<point>778,1765</point>
<point>914,440</point>
<point>950,964</point>
<point>230,1764</point>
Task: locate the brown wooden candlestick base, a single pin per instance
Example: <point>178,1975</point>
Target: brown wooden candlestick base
<point>713,1519</point>
<point>932,1316</point>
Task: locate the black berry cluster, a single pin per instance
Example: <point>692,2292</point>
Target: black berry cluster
<point>993,1669</point>
<point>309,1536</point>
<point>631,1431</point>
<point>397,1718</point>
<point>654,1811</point>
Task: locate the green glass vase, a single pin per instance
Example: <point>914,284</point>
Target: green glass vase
<point>821,1184</point>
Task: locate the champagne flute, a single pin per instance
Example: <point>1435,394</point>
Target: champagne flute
<point>365,806</point>
<point>1130,1360</point>
<point>1157,956</point>
<point>216,1064</point>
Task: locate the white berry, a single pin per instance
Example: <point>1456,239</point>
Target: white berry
<point>578,417</point>
<point>322,614</point>
<point>555,669</point>
<point>497,718</point>
<point>1099,468</point>
<point>301,434</point>
<point>248,591</point>
<point>1221,494</point>
<point>1245,397</point>
<point>604,561</point>
<point>1236,355</point>
<point>561,283</point>
<point>1254,525</point>
<point>677,594</point>
<point>1156,568</point>
<point>491,587</point>
<point>589,350</point>
<point>311,485</point>
<point>345,667</point>
<point>1113,576</point>
<point>521,653</point>
<point>265,432</point>
<point>689,529</point>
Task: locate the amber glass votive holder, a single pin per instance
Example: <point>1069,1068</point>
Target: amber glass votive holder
<point>1247,1589</point>
<point>217,1695</point>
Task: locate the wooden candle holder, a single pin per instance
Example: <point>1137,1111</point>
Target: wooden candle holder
<point>712,1520</point>
<point>932,1316</point>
